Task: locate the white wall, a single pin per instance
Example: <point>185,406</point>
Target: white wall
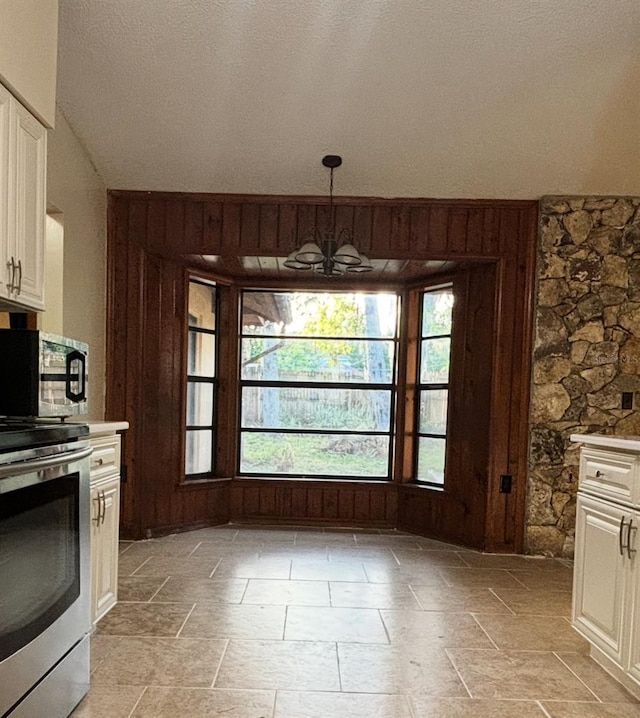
<point>29,53</point>
<point>52,320</point>
<point>76,190</point>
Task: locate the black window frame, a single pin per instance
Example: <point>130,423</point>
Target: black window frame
<point>423,387</point>
<point>190,378</point>
<point>390,387</point>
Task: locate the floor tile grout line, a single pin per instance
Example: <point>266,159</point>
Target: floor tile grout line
<point>415,595</point>
<point>159,589</point>
<point>224,652</point>
<point>194,549</point>
<point>133,573</point>
<point>215,568</point>
<point>244,593</point>
<point>543,709</point>
<point>455,668</point>
<point>135,705</point>
<point>511,611</point>
<point>466,563</point>
<point>475,618</point>
<point>338,666</point>
<point>515,578</point>
<point>384,625</point>
<point>568,667</point>
<point>185,620</point>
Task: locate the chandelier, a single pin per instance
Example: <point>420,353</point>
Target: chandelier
<point>323,252</point>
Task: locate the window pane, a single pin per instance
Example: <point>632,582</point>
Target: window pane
<point>316,408</point>
<point>434,367</point>
<point>323,360</point>
<point>198,452</point>
<point>319,314</point>
<point>431,460</point>
<point>433,411</point>
<point>199,403</point>
<point>316,454</point>
<point>201,356</point>
<point>202,305</point>
<point>436,312</point>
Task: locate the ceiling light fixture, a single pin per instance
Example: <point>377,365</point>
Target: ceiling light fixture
<point>323,252</point>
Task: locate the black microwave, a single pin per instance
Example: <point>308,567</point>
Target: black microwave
<point>42,374</point>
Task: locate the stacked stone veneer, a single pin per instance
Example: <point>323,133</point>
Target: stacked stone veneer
<point>586,350</point>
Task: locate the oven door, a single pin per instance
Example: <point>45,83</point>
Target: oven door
<point>44,563</point>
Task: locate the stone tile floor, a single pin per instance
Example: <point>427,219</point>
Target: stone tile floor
<point>248,622</point>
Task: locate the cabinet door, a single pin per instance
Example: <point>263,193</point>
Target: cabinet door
<point>105,499</point>
<point>600,575</point>
<point>27,223</point>
<point>5,160</point>
<point>633,601</point>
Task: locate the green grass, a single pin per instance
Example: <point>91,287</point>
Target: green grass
<point>312,455</point>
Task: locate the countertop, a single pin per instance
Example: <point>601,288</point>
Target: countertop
<point>97,427</point>
<point>624,443</point>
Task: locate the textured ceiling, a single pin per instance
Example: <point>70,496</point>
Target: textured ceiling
<point>432,98</point>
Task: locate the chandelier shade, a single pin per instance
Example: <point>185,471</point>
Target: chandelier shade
<point>322,251</point>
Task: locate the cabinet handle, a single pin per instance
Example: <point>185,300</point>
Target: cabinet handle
<point>621,545</point>
<point>12,284</point>
<point>97,518</point>
<point>98,462</point>
<point>104,507</point>
<point>630,551</point>
<point>600,474</point>
<point>19,288</point>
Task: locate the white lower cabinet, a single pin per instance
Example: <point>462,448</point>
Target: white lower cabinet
<point>633,662</point>
<point>606,587</point>
<point>105,520</point>
<point>601,589</point>
<point>105,500</point>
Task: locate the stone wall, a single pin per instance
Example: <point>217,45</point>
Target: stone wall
<point>586,350</point>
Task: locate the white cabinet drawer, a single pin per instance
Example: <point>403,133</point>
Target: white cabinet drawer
<point>105,459</point>
<point>609,475</point>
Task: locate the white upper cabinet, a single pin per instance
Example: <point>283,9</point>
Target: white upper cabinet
<point>23,156</point>
<point>4,189</point>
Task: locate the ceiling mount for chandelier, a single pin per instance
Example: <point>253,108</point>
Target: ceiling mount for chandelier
<point>327,253</point>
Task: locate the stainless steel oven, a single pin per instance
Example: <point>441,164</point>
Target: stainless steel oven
<point>44,569</point>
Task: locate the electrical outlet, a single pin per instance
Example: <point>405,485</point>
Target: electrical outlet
<point>627,400</point>
<point>505,483</point>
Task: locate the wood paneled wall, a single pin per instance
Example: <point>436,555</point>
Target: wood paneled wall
<point>458,514</point>
<point>151,233</point>
<point>328,502</point>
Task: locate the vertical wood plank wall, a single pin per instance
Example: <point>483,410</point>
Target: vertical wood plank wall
<point>150,234</point>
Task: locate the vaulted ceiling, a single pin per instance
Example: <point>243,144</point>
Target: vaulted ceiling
<point>423,98</point>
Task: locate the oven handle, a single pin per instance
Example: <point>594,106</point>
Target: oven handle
<point>27,467</point>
